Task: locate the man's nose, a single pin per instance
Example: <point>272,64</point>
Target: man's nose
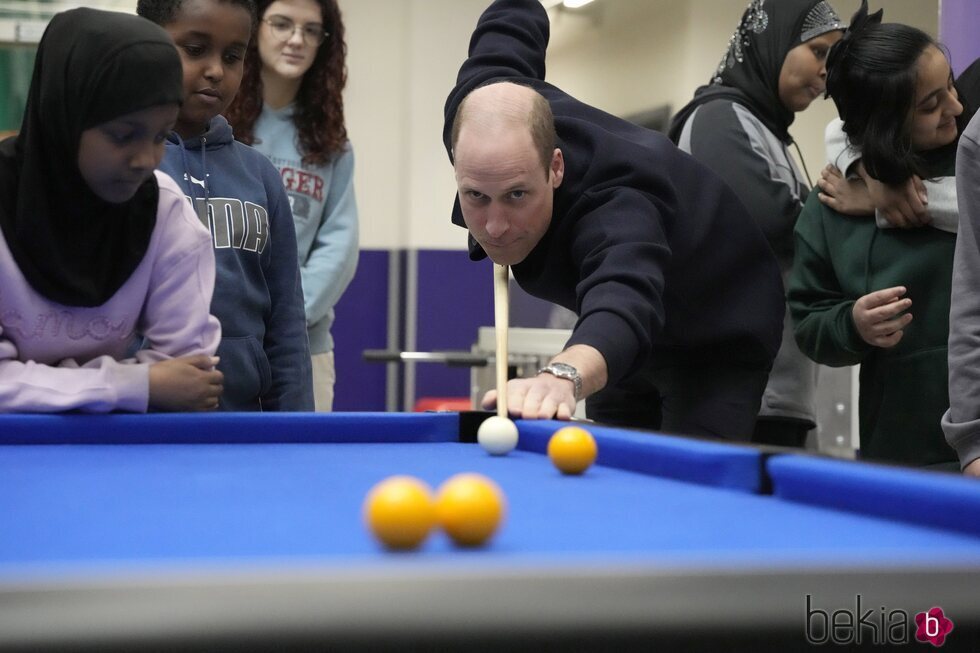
<point>497,224</point>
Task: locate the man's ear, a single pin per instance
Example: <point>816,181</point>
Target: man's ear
<point>557,168</point>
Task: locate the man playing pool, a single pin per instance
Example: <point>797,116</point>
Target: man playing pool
<point>678,296</point>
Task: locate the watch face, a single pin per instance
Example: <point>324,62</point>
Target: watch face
<point>566,371</point>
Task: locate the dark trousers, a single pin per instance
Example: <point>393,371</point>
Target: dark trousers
<point>781,431</point>
<point>718,401</point>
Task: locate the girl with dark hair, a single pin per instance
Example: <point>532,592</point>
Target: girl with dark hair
<point>738,125</point>
<point>881,297</point>
<point>291,109</point>
<point>847,187</point>
<point>238,195</point>
<point>98,251</point>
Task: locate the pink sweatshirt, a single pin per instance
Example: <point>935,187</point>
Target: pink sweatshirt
<point>55,357</point>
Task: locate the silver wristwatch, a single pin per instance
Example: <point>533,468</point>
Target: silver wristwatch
<point>565,371</point>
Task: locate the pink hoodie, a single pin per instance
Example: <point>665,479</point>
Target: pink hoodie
<point>55,357</point>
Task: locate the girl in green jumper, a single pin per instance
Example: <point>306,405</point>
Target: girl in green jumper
<point>876,297</point>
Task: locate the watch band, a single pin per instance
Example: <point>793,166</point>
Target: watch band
<point>565,371</point>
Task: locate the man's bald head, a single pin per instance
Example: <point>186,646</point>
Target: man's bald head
<point>504,106</point>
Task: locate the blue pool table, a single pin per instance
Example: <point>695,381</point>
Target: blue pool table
<point>221,530</point>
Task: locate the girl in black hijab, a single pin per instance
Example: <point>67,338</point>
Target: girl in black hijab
<point>97,250</point>
<point>738,125</point>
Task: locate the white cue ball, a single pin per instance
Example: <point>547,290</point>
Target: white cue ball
<point>497,435</point>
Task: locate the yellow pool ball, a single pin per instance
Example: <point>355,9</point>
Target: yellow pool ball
<point>469,507</point>
<point>572,449</point>
<point>400,511</point>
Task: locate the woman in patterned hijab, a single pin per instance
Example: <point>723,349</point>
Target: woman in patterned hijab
<point>755,70</point>
<point>738,125</point>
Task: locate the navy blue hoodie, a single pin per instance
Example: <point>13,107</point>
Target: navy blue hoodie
<point>656,255</point>
<point>258,296</point>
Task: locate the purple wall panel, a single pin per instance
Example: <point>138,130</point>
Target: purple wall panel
<point>959,24</point>
<point>361,323</point>
<point>455,298</point>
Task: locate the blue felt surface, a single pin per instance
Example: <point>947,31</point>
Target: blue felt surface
<point>107,505</point>
<point>225,489</point>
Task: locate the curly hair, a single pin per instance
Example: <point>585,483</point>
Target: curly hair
<point>319,112</point>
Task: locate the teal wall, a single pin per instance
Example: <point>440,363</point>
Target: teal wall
<point>16,65</point>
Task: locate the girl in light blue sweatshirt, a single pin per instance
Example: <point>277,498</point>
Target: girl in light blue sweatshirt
<point>290,108</point>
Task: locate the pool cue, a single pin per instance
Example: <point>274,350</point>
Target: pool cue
<point>501,320</point>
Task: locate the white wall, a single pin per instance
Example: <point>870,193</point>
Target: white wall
<point>623,56</point>
<point>403,56</point>
<point>639,54</point>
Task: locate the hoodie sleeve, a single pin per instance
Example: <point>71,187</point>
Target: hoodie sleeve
<point>102,385</point>
<point>821,312</point>
<point>174,320</point>
<point>941,192</point>
<point>286,343</point>
<point>961,423</point>
<point>332,261</point>
<point>510,41</point>
<point>943,208</point>
<point>620,303</point>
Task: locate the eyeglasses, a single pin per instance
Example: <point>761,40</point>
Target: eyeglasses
<point>283,29</point>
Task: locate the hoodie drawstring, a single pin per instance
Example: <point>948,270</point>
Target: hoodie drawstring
<point>204,169</point>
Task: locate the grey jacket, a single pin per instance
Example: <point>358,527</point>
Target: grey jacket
<point>961,423</point>
<point>736,145</point>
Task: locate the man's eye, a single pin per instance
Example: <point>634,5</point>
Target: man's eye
<point>517,194</point>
